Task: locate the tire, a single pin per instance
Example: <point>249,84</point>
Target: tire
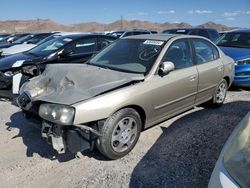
<point>120,133</point>
<point>219,94</point>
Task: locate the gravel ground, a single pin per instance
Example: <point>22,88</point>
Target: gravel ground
<point>180,152</point>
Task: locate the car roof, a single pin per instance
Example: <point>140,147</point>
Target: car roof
<point>79,35</point>
<point>131,30</point>
<point>163,37</point>
<point>243,30</point>
<point>191,28</point>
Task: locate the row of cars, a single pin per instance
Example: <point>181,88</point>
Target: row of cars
<point>132,84</point>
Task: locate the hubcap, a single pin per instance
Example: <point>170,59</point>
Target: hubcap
<point>221,93</point>
<point>124,134</point>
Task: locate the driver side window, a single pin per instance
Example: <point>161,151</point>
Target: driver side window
<point>84,46</point>
<point>179,54</point>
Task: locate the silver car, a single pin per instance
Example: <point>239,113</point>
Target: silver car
<point>131,85</point>
<point>233,166</point>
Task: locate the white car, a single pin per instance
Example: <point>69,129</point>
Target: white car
<point>25,46</point>
<point>233,166</point>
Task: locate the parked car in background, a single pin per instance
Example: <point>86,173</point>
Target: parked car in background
<point>153,32</point>
<point>126,33</point>
<point>19,68</point>
<point>236,44</point>
<point>211,34</point>
<point>2,36</point>
<point>233,165</point>
<point>133,84</point>
<point>29,41</point>
<point>12,38</point>
<point>35,40</point>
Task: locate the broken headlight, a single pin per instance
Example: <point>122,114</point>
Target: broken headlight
<point>8,73</point>
<point>31,70</point>
<point>57,113</point>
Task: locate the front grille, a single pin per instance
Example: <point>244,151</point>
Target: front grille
<point>23,100</point>
<point>243,73</point>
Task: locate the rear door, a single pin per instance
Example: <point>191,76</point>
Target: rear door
<point>209,66</point>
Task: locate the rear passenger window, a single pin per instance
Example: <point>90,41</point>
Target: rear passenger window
<point>84,46</point>
<point>179,54</point>
<point>205,51</point>
<point>203,33</point>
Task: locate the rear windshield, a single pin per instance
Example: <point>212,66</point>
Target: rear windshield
<point>238,40</point>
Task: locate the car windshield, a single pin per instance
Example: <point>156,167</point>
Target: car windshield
<point>129,55</point>
<point>47,39</point>
<point>23,39</point>
<point>238,40</point>
<point>50,46</point>
<point>3,36</point>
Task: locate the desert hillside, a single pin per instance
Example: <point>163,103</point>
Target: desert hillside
<point>10,26</point>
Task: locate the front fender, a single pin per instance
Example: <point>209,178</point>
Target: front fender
<point>101,107</point>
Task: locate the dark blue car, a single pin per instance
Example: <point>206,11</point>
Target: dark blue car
<point>236,44</point>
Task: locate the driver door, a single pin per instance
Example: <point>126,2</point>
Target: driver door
<point>176,91</point>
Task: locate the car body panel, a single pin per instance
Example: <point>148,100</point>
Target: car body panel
<point>220,177</point>
<point>85,81</point>
<point>210,75</point>
<point>158,96</point>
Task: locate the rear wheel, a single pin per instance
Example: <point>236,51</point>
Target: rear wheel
<point>120,132</point>
<point>220,94</point>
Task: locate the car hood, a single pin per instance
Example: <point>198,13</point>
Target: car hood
<point>236,53</point>
<point>69,84</point>
<point>17,48</point>
<point>16,60</point>
<point>5,45</point>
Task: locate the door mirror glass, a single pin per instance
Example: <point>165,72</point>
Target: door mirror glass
<point>166,67</point>
<point>65,53</point>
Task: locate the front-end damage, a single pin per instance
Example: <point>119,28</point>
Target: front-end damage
<point>72,138</point>
<point>52,95</point>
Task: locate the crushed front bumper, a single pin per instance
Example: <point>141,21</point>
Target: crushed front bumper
<point>72,138</point>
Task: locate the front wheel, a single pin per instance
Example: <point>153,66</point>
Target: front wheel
<point>119,133</point>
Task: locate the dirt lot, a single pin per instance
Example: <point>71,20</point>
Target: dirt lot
<point>180,152</point>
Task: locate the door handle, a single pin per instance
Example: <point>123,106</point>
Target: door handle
<point>192,78</point>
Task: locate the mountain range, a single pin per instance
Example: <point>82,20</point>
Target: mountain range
<point>43,25</point>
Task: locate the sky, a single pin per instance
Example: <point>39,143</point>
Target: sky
<point>195,12</point>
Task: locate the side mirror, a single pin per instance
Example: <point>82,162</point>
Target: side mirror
<point>64,53</point>
<point>166,67</point>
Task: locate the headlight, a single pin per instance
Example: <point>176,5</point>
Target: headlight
<point>8,73</point>
<point>237,155</point>
<point>243,62</point>
<point>57,113</point>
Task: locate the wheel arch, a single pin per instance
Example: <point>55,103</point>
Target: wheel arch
<point>139,110</point>
<point>228,80</point>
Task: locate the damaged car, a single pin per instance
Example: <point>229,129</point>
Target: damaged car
<point>133,84</point>
<point>73,48</point>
